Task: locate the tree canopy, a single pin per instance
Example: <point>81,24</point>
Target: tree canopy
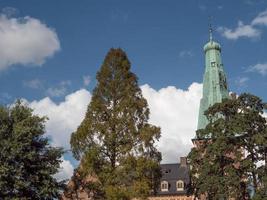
<point>115,142</point>
<point>27,162</point>
<point>229,159</point>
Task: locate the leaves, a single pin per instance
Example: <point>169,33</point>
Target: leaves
<point>27,161</point>
<point>229,149</point>
<point>115,142</point>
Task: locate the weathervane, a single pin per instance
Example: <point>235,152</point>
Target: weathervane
<point>210,28</point>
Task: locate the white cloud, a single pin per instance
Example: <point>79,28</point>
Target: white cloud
<point>260,68</point>
<point>59,90</point>
<point>86,80</point>
<point>66,170</point>
<point>5,97</point>
<point>25,41</point>
<point>56,92</point>
<point>220,7</point>
<point>175,111</point>
<point>250,30</point>
<point>63,117</point>
<point>241,81</point>
<point>119,16</point>
<point>240,31</point>
<point>185,53</point>
<point>34,83</point>
<point>9,11</point>
<point>261,19</point>
<point>253,2</point>
<point>202,7</point>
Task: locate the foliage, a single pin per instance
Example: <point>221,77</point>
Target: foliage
<point>115,141</point>
<point>226,161</point>
<point>27,161</point>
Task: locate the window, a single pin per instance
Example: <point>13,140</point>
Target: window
<point>180,185</point>
<point>213,64</point>
<point>167,171</point>
<point>164,186</point>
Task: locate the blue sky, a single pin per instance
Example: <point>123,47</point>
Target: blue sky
<point>66,42</point>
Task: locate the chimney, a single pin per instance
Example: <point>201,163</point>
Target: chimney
<point>183,161</point>
<point>233,95</point>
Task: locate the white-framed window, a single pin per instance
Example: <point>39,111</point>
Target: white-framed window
<point>180,185</point>
<point>164,186</point>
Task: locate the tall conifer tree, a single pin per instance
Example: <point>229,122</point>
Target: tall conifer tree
<point>115,142</point>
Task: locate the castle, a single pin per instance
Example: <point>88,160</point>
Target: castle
<point>175,177</point>
<point>175,181</point>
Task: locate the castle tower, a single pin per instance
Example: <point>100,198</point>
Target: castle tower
<point>215,87</point>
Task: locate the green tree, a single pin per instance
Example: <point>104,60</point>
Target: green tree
<point>115,141</point>
<point>27,161</point>
<point>252,127</point>
<point>225,162</point>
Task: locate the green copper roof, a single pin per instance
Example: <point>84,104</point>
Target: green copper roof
<point>212,45</point>
<point>215,87</point>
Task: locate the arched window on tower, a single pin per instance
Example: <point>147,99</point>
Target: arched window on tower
<point>213,64</point>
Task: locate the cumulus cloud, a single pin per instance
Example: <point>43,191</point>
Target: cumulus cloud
<point>59,90</point>
<point>251,30</point>
<point>203,7</point>
<point>64,117</point>
<point>185,53</point>
<point>220,7</point>
<point>240,31</point>
<point>261,19</point>
<point>9,11</point>
<point>260,68</point>
<point>174,110</point>
<point>5,97</point>
<point>117,15</point>
<point>33,84</point>
<point>56,92</point>
<point>25,41</point>
<point>66,170</point>
<point>241,81</point>
<point>86,80</point>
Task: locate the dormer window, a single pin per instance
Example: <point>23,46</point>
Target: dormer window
<point>167,171</point>
<point>213,64</point>
<point>180,185</point>
<point>164,186</point>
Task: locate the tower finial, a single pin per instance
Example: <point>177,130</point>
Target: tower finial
<point>210,28</point>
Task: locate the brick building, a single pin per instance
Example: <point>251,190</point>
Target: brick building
<point>174,182</point>
<point>175,177</point>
